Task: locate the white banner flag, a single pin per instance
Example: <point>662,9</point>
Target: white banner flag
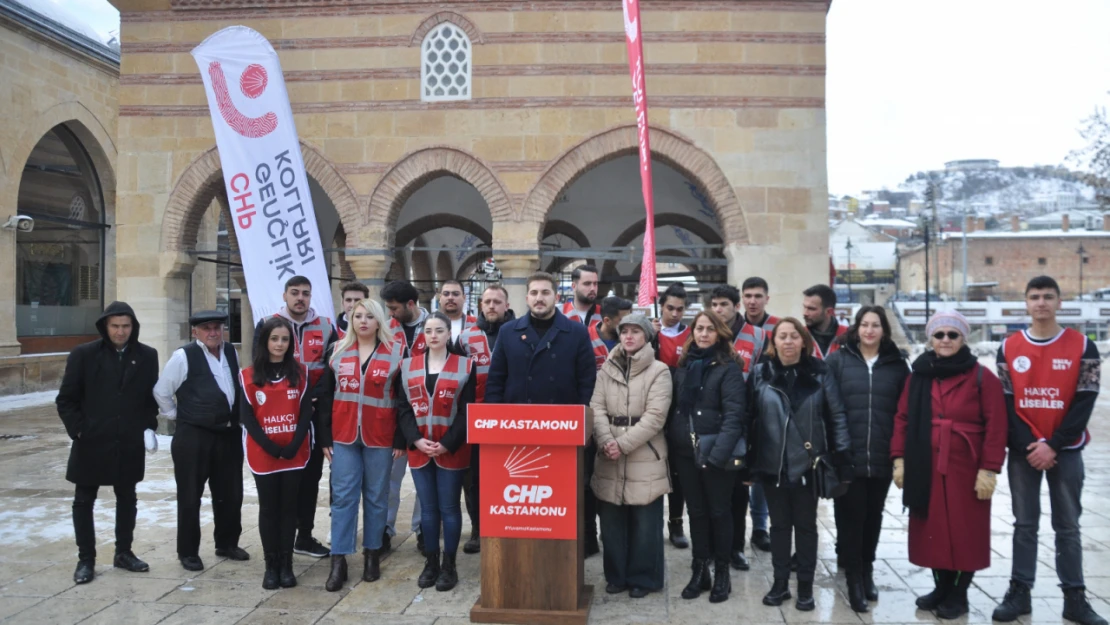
<point>271,205</point>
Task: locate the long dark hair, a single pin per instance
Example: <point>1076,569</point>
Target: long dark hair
<point>290,368</point>
<point>724,338</point>
<point>453,346</point>
<point>851,337</point>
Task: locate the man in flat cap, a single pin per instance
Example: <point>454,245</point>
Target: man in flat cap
<point>199,388</point>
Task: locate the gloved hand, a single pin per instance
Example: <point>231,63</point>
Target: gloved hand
<point>150,441</point>
<point>289,452</point>
<point>985,483</point>
<point>899,471</point>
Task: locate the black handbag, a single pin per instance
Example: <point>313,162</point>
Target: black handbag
<point>824,481</point>
<point>703,445</point>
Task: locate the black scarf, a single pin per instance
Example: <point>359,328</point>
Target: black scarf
<point>697,366</point>
<point>918,462</point>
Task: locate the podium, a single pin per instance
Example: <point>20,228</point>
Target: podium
<point>531,494</point>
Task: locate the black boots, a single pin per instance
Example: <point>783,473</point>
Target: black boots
<point>338,575</point>
<point>955,604</point>
<point>474,545</point>
<point>739,562</point>
<point>430,573</point>
<point>1078,609</point>
<point>761,540</point>
<point>856,597</point>
<point>285,572</point>
<point>805,601</point>
<point>271,579</point>
<point>678,539</point>
<point>448,574</point>
<point>780,591</point>
<point>870,591</point>
<point>722,583</point>
<point>700,579</point>
<point>592,546</point>
<point>127,561</point>
<point>85,571</point>
<point>1016,603</point>
<point>371,565</point>
<point>943,581</point>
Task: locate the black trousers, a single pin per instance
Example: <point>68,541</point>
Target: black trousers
<point>471,489</point>
<point>633,554</point>
<point>203,456</point>
<point>309,492</point>
<point>709,499</point>
<point>590,502</point>
<point>793,512</point>
<point>741,493</point>
<point>859,520</point>
<point>278,497</point>
<point>675,499</point>
<point>83,529</point>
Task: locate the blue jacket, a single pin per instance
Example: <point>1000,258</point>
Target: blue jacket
<point>557,368</point>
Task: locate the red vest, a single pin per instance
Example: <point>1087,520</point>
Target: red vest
<point>572,313</point>
<point>1044,378</point>
<point>749,345</point>
<point>310,345</point>
<point>418,344</point>
<point>769,323</point>
<point>601,352</point>
<point>670,347</point>
<point>478,348</point>
<point>364,402</point>
<point>277,407</point>
<point>436,414</point>
<point>835,345</point>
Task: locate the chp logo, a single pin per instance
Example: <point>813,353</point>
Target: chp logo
<point>1022,364</point>
<point>526,463</point>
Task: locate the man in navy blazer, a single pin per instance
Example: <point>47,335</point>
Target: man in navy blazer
<point>545,358</point>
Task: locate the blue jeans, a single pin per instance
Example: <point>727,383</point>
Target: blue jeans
<point>758,504</point>
<point>1065,486</point>
<point>357,470</point>
<point>633,554</point>
<point>440,494</point>
<point>396,475</point>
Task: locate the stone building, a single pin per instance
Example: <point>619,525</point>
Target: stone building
<point>527,154</point>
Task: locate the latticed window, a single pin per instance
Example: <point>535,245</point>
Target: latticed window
<point>445,64</point>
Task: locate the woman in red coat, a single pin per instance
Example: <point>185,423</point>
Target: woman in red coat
<point>949,444</point>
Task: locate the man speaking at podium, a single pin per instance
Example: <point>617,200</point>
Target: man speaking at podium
<point>545,358</point>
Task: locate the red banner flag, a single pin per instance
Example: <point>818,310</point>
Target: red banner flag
<point>648,286</point>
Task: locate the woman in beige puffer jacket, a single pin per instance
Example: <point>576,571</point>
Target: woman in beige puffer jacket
<point>630,404</point>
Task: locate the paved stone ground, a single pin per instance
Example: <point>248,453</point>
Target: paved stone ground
<point>38,557</point>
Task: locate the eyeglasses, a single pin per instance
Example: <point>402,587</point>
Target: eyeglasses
<point>952,336</point>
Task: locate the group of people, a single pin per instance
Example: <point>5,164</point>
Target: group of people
<point>737,410</point>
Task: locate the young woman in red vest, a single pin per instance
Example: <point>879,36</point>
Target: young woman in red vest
<point>276,413</point>
<point>437,385</point>
<point>357,403</point>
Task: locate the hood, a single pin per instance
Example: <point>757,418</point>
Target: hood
<point>309,317</point>
<point>618,359</point>
<point>489,328</point>
<point>114,309</point>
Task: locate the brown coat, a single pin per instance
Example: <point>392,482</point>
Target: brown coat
<point>640,475</point>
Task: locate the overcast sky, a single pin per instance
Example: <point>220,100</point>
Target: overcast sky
<point>914,84</point>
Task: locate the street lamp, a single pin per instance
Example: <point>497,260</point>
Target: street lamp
<point>848,246</point>
<point>1081,252</point>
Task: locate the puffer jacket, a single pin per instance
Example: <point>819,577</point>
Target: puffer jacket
<point>630,404</point>
<point>819,417</point>
<point>721,409</point>
<point>870,400</point>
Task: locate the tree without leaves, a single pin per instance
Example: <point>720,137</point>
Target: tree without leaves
<point>1094,159</point>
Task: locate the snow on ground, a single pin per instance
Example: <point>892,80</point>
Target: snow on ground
<point>28,400</point>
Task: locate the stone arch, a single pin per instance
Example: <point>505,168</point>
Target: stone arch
<point>569,230</point>
<point>457,19</point>
<point>698,228</point>
<point>667,146</point>
<point>440,220</point>
<point>410,173</point>
<point>469,263</point>
<point>203,179</point>
<point>444,269</point>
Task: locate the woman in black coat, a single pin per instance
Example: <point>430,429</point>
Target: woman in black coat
<point>797,416</point>
<point>106,402</point>
<point>871,373</point>
<point>709,396</point>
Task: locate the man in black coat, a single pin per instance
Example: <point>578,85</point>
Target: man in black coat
<point>106,402</point>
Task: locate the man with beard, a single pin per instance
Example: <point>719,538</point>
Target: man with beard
<point>545,358</point>
<point>451,304</point>
<point>583,305</point>
<point>479,341</point>
<point>819,312</point>
<point>351,294</point>
<point>313,336</point>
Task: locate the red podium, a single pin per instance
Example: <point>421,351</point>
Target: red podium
<point>532,479</point>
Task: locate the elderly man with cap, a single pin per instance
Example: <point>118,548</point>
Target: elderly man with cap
<point>207,444</point>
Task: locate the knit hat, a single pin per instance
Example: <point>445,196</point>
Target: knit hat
<point>638,320</point>
<point>948,319</point>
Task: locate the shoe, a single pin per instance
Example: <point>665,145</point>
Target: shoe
<point>780,591</point>
<point>1016,603</point>
<point>638,593</point>
<point>306,545</point>
<point>127,561</point>
<point>870,591</point>
<point>955,604</point>
<point>678,539</point>
<point>285,570</point>
<point>722,582</point>
<point>739,562</point>
<point>192,563</point>
<point>474,545</point>
<point>233,553</point>
<point>338,575</point>
<point>614,589</point>
<point>387,542</point>
<point>805,601</point>
<point>699,580</point>
<point>794,562</point>
<point>943,581</point>
<point>371,565</point>
<point>430,573</point>
<point>85,571</point>
<point>271,578</point>
<point>592,548</point>
<point>761,540</point>
<point>1078,609</point>
<point>420,542</point>
<point>856,598</point>
<point>448,574</point>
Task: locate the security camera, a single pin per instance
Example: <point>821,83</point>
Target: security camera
<point>20,223</point>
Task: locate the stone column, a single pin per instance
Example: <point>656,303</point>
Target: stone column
<point>9,346</point>
<point>514,276</point>
<point>371,271</point>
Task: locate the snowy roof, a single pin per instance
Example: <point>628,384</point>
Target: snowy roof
<point>50,22</point>
<point>887,223</point>
<point>1030,234</point>
<point>1058,216</point>
<point>61,15</point>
